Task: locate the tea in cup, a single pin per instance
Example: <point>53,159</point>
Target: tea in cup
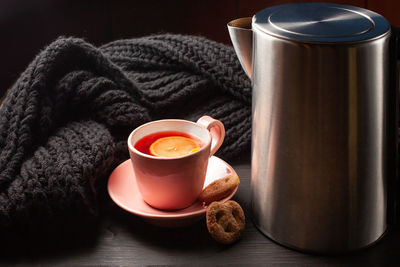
<point>170,159</point>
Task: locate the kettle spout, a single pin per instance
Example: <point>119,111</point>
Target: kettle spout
<point>242,39</point>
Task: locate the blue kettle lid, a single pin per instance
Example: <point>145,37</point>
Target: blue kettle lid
<point>321,22</point>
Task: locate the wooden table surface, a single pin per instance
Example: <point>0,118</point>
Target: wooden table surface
<point>123,239</point>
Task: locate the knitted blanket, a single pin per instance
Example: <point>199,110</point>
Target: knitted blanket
<point>64,123</point>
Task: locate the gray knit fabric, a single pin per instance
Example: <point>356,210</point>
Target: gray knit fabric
<point>64,124</point>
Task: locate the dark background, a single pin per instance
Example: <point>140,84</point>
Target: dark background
<point>26,26</point>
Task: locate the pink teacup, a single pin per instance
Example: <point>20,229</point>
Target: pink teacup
<point>174,183</point>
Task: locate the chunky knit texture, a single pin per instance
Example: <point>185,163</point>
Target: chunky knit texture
<point>64,124</point>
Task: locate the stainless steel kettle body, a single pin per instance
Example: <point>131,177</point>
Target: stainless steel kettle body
<point>319,124</point>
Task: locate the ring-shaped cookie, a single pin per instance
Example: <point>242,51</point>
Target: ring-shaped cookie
<point>219,189</point>
<point>225,221</point>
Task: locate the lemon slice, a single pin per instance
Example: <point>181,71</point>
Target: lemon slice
<point>173,146</point>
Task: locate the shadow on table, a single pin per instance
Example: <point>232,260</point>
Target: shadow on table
<point>133,229</point>
<point>61,236</point>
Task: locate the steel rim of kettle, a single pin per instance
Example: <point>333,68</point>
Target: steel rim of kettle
<point>291,23</point>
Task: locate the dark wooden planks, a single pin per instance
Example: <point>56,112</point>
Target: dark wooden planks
<point>125,239</point>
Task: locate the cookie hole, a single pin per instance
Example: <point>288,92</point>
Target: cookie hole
<point>219,215</point>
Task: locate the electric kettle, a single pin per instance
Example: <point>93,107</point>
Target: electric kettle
<point>324,123</point>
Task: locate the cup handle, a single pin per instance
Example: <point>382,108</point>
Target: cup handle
<point>217,130</point>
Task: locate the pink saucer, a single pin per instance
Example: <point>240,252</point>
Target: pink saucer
<point>125,193</point>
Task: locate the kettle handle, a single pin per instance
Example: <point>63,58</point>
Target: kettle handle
<point>393,131</point>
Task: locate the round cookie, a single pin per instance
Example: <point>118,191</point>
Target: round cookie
<point>219,189</point>
<point>225,221</point>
